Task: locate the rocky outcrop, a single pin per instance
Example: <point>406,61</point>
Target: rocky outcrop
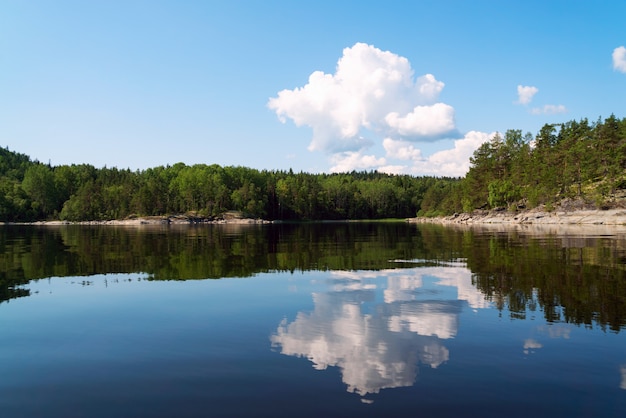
<point>534,217</point>
<point>161,220</point>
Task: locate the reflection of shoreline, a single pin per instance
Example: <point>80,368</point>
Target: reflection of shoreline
<point>570,235</point>
<point>380,348</point>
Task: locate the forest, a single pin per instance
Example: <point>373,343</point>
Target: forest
<point>578,160</point>
<point>30,190</point>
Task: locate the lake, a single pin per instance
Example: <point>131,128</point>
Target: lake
<point>327,319</point>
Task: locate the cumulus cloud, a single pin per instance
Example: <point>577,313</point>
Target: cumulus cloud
<point>451,162</point>
<point>619,59</point>
<point>374,95</point>
<point>423,121</point>
<point>344,162</point>
<point>401,150</point>
<point>455,161</point>
<point>548,110</point>
<point>525,94</point>
<point>371,90</point>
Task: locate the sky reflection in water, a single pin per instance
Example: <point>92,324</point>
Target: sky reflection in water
<point>377,326</point>
<point>422,335</point>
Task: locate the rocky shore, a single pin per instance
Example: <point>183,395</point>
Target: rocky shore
<point>537,216</point>
<point>160,220</point>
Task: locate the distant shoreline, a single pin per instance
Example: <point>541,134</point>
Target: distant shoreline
<point>537,216</point>
<point>532,217</point>
<point>150,220</point>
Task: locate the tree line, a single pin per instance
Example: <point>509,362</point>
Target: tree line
<point>577,161</point>
<point>30,190</point>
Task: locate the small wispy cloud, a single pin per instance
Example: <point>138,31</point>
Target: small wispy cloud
<point>525,94</point>
<point>548,110</point>
<point>619,59</point>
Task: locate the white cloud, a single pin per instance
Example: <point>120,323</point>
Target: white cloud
<point>452,162</point>
<point>455,161</point>
<point>393,169</point>
<point>374,94</point>
<point>370,90</point>
<point>548,110</point>
<point>525,94</point>
<point>619,59</point>
<point>429,88</point>
<point>424,121</point>
<point>401,150</point>
<point>354,160</point>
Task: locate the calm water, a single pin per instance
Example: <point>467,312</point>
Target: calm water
<point>312,320</point>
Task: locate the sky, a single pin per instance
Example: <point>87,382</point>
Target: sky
<point>314,86</point>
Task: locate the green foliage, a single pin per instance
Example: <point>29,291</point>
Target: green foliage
<point>502,193</point>
<point>32,191</point>
<point>39,185</point>
<point>571,160</point>
<point>443,197</point>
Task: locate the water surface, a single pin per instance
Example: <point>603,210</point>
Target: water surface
<point>312,320</point>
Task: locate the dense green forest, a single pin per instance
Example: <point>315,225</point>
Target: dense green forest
<point>30,190</point>
<point>576,160</point>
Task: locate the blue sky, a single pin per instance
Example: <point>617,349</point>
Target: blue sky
<point>316,86</point>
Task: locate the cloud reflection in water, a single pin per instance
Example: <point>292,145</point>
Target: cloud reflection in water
<point>377,326</point>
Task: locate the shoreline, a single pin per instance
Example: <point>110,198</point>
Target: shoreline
<point>616,217</point>
<point>537,216</point>
<point>150,220</point>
